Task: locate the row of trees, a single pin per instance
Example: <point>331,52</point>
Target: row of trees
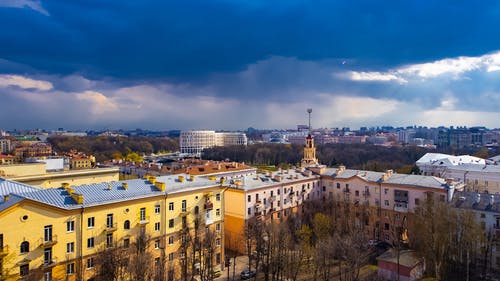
<point>328,240</point>
<point>356,156</point>
<point>105,148</point>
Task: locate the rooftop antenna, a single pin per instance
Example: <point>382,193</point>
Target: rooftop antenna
<point>309,111</point>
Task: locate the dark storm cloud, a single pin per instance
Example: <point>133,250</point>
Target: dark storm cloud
<point>185,41</point>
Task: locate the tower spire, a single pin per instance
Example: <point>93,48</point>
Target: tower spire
<point>309,111</point>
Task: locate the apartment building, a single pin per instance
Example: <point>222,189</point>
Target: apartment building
<point>268,196</point>
<point>487,210</point>
<point>65,228</point>
<point>388,196</point>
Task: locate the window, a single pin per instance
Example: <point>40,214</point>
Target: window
<point>157,226</point>
<point>109,220</point>
<point>157,244</point>
<point>157,209</point>
<point>171,240</point>
<point>170,256</point>
<point>171,206</point>
<point>25,247</point>
<point>90,263</point>
<point>324,188</point>
<point>24,269</point>
<point>217,212</point>
<point>47,256</point>
<point>217,258</point>
<point>171,223</point>
<point>217,197</point>
<point>249,211</point>
<point>278,192</point>
<point>217,242</point>
<point>217,227</point>
<point>90,242</point>
<point>184,222</point>
<point>70,226</point>
<point>47,276</point>
<point>386,190</point>
<point>184,205</point>
<point>338,185</point>
<point>126,243</point>
<point>196,210</point>
<point>126,224</point>
<point>70,268</point>
<point>386,226</point>
<point>90,222</point>
<point>356,193</point>
<point>70,247</point>
<point>109,240</point>
<point>256,197</point>
<point>249,198</point>
<point>483,215</point>
<point>265,201</point>
<point>47,233</point>
<point>417,201</point>
<point>278,203</point>
<point>142,214</point>
<point>386,202</point>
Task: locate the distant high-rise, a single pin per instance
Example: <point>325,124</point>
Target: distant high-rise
<point>193,142</point>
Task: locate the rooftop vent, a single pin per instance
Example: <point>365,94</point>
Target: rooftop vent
<point>125,185</point>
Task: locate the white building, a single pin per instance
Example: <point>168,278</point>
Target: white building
<point>5,146</point>
<point>193,142</point>
<point>473,171</point>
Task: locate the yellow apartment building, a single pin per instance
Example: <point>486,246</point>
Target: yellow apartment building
<point>268,196</point>
<point>56,234</point>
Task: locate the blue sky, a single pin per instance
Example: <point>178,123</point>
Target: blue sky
<point>228,64</point>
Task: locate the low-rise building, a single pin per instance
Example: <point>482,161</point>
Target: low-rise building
<point>407,267</point>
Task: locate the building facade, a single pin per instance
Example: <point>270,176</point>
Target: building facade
<point>4,146</point>
<point>269,196</point>
<point>66,228</point>
<point>384,197</point>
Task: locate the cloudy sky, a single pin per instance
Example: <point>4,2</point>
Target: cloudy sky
<point>232,64</point>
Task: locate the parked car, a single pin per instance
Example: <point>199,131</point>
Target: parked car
<point>217,273</point>
<point>247,274</point>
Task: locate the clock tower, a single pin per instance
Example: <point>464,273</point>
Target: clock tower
<point>309,158</point>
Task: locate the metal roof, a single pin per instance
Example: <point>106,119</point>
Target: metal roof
<point>112,192</point>
<point>9,186</point>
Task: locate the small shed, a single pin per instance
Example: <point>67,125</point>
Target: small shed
<point>411,266</point>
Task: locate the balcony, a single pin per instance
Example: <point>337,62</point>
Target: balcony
<point>111,228</point>
<point>4,250</point>
<point>366,193</point>
<point>272,199</point>
<point>48,241</point>
<point>401,207</point>
<point>347,190</point>
<point>143,220</point>
<point>49,263</point>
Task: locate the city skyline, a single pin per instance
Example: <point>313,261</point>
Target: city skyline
<point>233,64</point>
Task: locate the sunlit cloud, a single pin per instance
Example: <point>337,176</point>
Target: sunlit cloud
<point>453,67</point>
<point>24,82</point>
